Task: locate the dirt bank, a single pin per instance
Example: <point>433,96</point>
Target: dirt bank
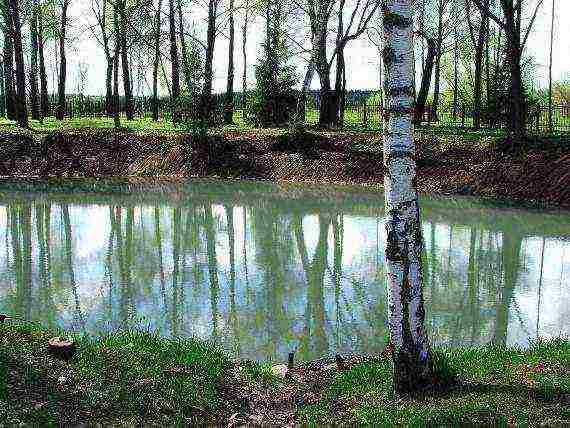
<point>539,176</point>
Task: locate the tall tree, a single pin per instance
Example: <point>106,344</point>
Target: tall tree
<point>21,105</point>
<point>404,242</point>
<point>100,12</point>
<point>206,98</point>
<point>184,50</point>
<point>550,69</point>
<point>442,34</point>
<point>175,65</point>
<point>116,107</point>
<point>156,64</point>
<point>515,44</point>
<point>244,29</point>
<point>319,13</point>
<point>426,78</point>
<point>34,95</point>
<point>8,62</point>
<point>44,103</point>
<point>127,85</point>
<point>62,61</point>
<point>229,101</point>
<point>479,45</point>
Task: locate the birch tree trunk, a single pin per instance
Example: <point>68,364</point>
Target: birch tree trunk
<point>408,337</point>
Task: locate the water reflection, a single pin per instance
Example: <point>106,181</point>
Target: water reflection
<point>262,277</point>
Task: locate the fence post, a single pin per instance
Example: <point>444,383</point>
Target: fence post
<point>365,114</point>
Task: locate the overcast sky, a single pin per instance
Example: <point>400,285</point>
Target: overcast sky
<point>362,56</point>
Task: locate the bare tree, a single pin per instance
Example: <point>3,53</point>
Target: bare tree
<point>116,107</point>
<point>156,63</point>
<point>319,13</point>
<point>100,12</point>
<point>184,50</point>
<point>127,85</point>
<point>175,65</point>
<point>8,62</point>
<point>42,65</point>
<point>229,101</point>
<point>550,69</point>
<point>34,95</point>
<point>62,61</point>
<point>511,24</point>
<point>479,45</point>
<point>21,105</point>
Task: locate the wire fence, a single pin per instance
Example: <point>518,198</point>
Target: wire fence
<point>363,114</point>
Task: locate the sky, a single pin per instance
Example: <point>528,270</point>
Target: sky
<point>361,54</point>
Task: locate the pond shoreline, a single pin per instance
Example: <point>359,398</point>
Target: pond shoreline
<point>447,167</point>
<point>129,377</point>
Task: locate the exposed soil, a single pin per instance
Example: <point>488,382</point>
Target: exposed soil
<point>540,175</point>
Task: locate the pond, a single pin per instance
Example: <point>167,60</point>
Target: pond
<point>265,268</point>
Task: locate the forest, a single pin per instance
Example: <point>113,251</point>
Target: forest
<point>472,67</point>
<point>269,213</point>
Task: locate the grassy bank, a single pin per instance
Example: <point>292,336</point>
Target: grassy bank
<point>134,377</point>
<point>450,161</point>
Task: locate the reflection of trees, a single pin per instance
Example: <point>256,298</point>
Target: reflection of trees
<point>176,270</point>
<point>267,285</point>
<point>511,262</point>
<point>540,288</point>
<point>43,214</point>
<point>69,259</point>
<point>233,313</point>
<point>158,243</point>
<point>212,267</point>
<point>273,253</point>
<point>314,275</point>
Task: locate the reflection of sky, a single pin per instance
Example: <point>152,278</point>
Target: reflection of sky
<point>351,312</point>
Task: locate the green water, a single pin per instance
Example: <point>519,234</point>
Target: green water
<point>264,269</point>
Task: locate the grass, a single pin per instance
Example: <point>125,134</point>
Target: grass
<point>139,125</point>
<point>499,385</point>
<point>131,378</point>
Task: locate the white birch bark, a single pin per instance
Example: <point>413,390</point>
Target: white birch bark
<point>403,226</point>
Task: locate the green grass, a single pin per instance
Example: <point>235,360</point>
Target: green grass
<point>500,385</point>
<point>138,125</point>
<point>129,376</point>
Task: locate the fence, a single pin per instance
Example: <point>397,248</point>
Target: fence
<point>360,114</point>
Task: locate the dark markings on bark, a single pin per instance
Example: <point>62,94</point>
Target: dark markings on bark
<point>398,90</point>
<point>398,111</point>
<point>400,154</point>
<point>391,20</point>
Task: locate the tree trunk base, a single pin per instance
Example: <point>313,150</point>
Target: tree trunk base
<point>412,377</point>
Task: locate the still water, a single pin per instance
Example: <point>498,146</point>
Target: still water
<point>263,269</point>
